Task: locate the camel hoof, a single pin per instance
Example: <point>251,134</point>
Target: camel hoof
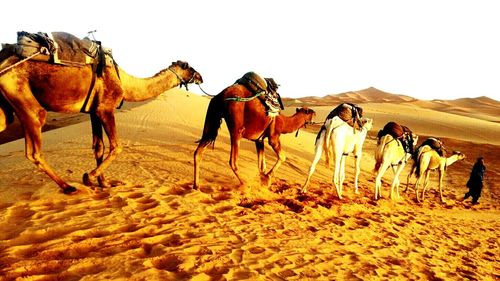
<point>265,180</point>
<point>69,190</point>
<point>86,180</point>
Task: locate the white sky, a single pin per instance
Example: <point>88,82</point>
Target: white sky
<point>426,49</point>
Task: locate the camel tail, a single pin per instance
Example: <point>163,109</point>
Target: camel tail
<point>379,152</point>
<point>322,130</point>
<point>213,120</point>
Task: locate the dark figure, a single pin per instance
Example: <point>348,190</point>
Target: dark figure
<point>475,183</point>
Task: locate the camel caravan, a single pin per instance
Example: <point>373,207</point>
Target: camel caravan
<point>62,73</point>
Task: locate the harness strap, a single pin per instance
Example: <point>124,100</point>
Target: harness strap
<point>90,95</point>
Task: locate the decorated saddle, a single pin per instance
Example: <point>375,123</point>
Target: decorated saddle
<point>349,113</point>
<point>265,89</point>
<point>397,131</point>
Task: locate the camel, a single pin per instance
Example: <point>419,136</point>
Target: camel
<point>390,152</point>
<point>32,88</point>
<point>428,144</point>
<point>247,119</point>
<point>428,160</point>
<point>337,134</point>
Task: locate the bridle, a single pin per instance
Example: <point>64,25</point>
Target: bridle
<point>182,81</point>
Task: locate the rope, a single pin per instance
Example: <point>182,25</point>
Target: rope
<point>205,92</point>
<point>19,62</point>
<point>246,99</point>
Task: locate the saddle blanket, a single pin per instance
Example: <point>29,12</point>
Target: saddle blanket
<point>58,47</point>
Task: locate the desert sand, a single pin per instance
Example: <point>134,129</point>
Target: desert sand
<point>155,227</point>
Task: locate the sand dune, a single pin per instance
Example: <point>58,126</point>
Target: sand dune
<point>155,227</point>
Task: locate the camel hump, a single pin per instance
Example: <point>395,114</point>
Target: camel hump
<point>349,113</point>
<point>435,144</point>
<point>58,47</point>
<point>69,43</point>
<point>393,129</point>
<point>254,82</point>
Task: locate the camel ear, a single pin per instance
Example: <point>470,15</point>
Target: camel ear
<point>297,110</point>
<point>182,64</point>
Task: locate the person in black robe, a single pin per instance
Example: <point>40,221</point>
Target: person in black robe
<point>475,182</point>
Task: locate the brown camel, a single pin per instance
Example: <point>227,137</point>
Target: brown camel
<point>247,119</point>
<point>32,88</point>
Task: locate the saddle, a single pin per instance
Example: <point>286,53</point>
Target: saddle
<point>266,89</point>
<point>62,48</point>
<point>403,133</point>
<point>434,143</point>
<point>349,113</point>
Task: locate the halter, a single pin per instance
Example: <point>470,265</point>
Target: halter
<point>303,126</point>
<point>182,81</point>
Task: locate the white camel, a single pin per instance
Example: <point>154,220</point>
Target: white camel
<point>390,152</point>
<point>428,160</point>
<point>343,139</point>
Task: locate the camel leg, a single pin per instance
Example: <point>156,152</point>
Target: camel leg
<point>98,147</point>
<point>32,123</point>
<point>198,154</point>
<point>441,176</point>
<point>357,171</point>
<point>342,173</point>
<point>378,179</point>
<point>233,159</point>
<point>426,183</point>
<point>336,173</point>
<point>317,156</point>
<point>261,157</point>
<point>276,145</point>
<point>107,119</point>
<point>395,181</point>
<point>412,170</point>
<point>420,176</point>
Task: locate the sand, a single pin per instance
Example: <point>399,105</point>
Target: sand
<point>155,227</point>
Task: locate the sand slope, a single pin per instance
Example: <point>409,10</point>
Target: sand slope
<point>155,227</point>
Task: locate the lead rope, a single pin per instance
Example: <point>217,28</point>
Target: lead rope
<point>19,62</point>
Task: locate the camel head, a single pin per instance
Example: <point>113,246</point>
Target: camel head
<point>460,155</point>
<point>185,73</point>
<point>309,113</point>
<point>367,123</point>
<point>414,137</point>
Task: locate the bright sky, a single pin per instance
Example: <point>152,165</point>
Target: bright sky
<point>426,49</point>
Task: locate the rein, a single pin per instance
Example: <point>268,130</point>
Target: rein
<point>303,126</point>
<point>205,92</point>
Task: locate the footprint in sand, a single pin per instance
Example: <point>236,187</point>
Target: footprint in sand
<point>170,262</point>
<point>146,203</point>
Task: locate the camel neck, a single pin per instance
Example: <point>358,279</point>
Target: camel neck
<point>139,89</point>
<point>452,159</point>
<point>292,123</point>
